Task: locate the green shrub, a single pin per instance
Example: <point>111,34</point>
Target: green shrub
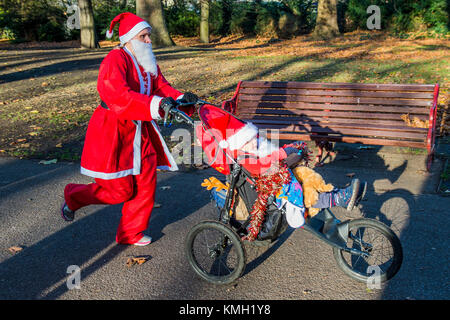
<point>51,31</point>
<point>182,21</point>
<point>402,16</point>
<point>104,13</point>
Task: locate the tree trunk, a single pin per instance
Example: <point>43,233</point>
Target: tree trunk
<point>87,32</point>
<point>326,22</point>
<point>204,21</point>
<point>151,10</point>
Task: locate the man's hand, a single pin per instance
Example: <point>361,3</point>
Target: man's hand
<point>166,105</point>
<point>189,97</point>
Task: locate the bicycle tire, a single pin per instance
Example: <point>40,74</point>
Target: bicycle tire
<point>388,234</point>
<point>231,242</point>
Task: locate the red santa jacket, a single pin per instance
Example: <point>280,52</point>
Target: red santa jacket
<point>115,134</point>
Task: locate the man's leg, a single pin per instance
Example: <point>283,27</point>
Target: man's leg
<point>101,192</point>
<point>136,212</point>
<point>348,197</point>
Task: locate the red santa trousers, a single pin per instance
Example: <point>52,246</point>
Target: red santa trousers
<point>136,192</point>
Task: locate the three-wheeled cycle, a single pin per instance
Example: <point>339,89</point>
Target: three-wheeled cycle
<point>363,248</point>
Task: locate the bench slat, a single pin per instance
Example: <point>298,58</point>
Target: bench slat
<point>329,121</point>
<point>345,131</point>
<point>338,85</point>
<point>372,141</point>
<point>337,93</point>
<point>347,100</point>
<point>248,113</point>
<point>309,125</point>
<point>340,107</point>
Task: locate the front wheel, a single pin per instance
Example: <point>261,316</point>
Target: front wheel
<point>374,251</point>
<point>215,252</point>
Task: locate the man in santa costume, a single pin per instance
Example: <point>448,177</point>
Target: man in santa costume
<point>123,145</point>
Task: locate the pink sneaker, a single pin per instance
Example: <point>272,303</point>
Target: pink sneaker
<point>145,240</point>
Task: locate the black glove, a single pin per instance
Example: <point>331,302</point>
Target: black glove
<point>292,160</point>
<point>189,97</point>
<point>166,105</point>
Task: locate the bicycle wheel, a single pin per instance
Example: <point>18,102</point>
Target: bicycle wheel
<point>382,251</point>
<point>215,252</point>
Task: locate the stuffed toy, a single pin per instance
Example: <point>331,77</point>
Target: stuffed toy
<point>312,184</point>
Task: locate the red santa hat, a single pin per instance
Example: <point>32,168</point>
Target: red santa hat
<point>231,132</point>
<point>129,26</point>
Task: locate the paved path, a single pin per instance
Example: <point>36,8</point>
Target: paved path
<point>298,266</point>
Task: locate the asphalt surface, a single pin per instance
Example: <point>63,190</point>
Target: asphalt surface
<point>296,267</point>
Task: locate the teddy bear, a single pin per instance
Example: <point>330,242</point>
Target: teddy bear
<point>312,184</point>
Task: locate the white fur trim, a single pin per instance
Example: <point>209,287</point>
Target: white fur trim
<point>223,144</point>
<point>265,147</point>
<point>241,137</point>
<point>154,107</point>
<point>109,35</point>
<point>172,164</point>
<point>134,31</point>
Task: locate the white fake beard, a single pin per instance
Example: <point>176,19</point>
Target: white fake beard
<point>262,149</point>
<point>145,57</point>
<point>265,147</point>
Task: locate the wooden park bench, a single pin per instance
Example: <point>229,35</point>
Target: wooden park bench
<point>401,115</point>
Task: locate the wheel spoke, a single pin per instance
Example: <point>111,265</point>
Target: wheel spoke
<point>216,255</point>
<point>378,242</point>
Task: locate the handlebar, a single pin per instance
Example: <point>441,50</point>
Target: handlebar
<point>179,116</point>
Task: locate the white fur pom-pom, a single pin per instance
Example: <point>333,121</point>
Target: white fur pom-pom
<point>109,34</point>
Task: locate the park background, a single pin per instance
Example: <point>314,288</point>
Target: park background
<point>49,56</point>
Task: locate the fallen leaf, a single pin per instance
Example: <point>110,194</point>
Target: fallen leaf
<point>165,188</point>
<point>45,162</point>
<point>15,249</point>
<point>137,260</point>
<point>59,145</point>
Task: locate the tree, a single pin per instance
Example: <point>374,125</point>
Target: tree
<point>326,22</point>
<point>87,25</point>
<point>151,10</point>
<point>204,21</point>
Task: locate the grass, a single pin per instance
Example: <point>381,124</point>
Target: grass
<point>47,94</point>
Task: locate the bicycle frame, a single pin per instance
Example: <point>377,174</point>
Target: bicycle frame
<point>332,231</point>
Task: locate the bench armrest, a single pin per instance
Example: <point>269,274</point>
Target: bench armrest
<point>231,104</point>
<point>432,128</point>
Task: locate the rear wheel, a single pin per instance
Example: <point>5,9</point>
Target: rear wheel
<point>375,251</point>
<point>215,252</point>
